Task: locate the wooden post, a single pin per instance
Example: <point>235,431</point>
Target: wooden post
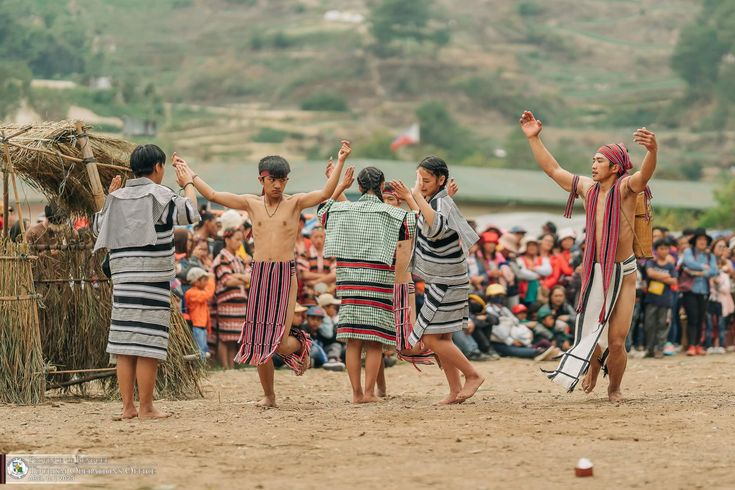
<point>6,211</point>
<point>91,164</point>
<point>9,170</point>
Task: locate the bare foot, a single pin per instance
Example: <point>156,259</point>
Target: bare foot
<point>382,392</point>
<point>369,399</point>
<point>471,385</point>
<point>153,414</point>
<point>615,396</point>
<point>267,402</point>
<point>450,399</point>
<point>357,398</point>
<point>590,379</point>
<point>127,414</point>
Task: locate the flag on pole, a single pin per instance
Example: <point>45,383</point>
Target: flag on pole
<point>411,136</point>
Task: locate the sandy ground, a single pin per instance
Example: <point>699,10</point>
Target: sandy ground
<point>676,431</point>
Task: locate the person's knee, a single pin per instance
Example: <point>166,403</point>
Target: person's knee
<point>617,344</point>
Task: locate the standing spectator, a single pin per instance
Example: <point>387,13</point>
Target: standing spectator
<point>231,297</point>
<point>230,219</point>
<point>659,297</point>
<point>207,229</point>
<point>720,301</point>
<point>700,265</point>
<point>532,269</point>
<point>197,304</point>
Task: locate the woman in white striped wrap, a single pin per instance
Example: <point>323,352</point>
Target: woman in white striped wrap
<point>442,240</point>
<point>136,226</point>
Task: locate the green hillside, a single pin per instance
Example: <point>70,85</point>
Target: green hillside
<point>235,79</point>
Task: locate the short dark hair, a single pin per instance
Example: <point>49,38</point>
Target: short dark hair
<point>436,167</point>
<point>144,159</point>
<point>54,214</point>
<point>206,216</point>
<point>661,242</point>
<point>276,166</point>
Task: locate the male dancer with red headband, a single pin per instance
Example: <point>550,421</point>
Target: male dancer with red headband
<point>607,296</point>
<point>272,297</point>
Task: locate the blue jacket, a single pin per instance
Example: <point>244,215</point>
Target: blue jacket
<point>696,262</point>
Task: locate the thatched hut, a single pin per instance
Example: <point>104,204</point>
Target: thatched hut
<point>72,166</point>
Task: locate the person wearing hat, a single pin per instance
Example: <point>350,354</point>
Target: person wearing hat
<point>483,327</point>
<point>609,263</point>
<point>533,268</point>
<point>510,337</point>
<point>229,220</point>
<point>197,299</point>
<point>325,350</point>
<point>699,265</point>
<point>518,232</point>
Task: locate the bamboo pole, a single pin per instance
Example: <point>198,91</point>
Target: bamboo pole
<point>6,203</point>
<point>91,164</point>
<point>9,171</point>
<point>79,381</point>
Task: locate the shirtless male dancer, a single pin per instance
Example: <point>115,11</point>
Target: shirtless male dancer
<point>608,291</point>
<point>273,288</point>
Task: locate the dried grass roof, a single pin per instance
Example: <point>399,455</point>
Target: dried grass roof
<point>35,157</point>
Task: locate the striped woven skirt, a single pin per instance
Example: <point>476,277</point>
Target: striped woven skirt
<point>141,313</point>
<point>366,291</point>
<point>268,307</point>
<point>402,305</point>
<point>445,310</point>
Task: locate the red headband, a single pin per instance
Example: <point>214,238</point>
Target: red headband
<point>618,155</point>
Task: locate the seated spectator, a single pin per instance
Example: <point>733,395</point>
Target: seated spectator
<point>483,326</point>
<point>326,352</point>
<point>561,331</point>
<point>559,306</point>
<point>476,269</point>
<point>511,338</point>
<point>542,336</point>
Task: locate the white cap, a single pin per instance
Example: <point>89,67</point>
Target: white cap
<point>327,299</point>
<point>194,274</point>
<point>231,219</point>
<point>567,233</point>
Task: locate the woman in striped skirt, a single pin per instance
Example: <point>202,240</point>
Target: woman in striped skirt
<point>442,240</point>
<point>231,297</point>
<point>363,235</point>
<point>136,226</point>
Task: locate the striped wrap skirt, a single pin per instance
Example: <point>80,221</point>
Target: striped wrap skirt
<point>445,310</point>
<point>141,313</point>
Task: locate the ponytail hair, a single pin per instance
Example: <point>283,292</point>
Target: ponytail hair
<point>369,179</point>
<point>436,167</point>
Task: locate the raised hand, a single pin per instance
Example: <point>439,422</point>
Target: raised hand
<point>348,178</point>
<point>401,190</point>
<point>530,125</point>
<point>646,138</point>
<point>452,187</point>
<point>344,151</point>
<point>184,175</point>
<point>417,186</point>
<point>115,184</point>
<point>330,167</point>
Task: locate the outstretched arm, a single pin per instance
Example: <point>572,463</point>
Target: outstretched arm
<point>339,192</point>
<point>313,198</point>
<point>531,127</point>
<point>227,199</point>
<point>639,180</point>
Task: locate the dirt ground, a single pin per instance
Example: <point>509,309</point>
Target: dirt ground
<point>675,431</point>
